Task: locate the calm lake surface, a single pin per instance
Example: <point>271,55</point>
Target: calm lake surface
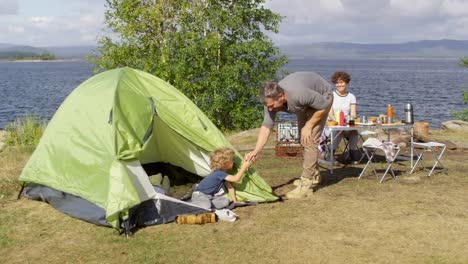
<point>431,85</point>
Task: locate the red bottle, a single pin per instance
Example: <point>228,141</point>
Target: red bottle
<point>342,118</point>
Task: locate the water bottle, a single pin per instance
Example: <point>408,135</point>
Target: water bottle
<point>409,114</point>
<point>337,117</point>
<point>342,121</point>
<point>389,114</point>
<point>389,110</point>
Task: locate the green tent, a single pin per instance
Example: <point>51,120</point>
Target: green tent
<point>91,156</point>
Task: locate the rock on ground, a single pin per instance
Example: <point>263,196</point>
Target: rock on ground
<point>455,125</point>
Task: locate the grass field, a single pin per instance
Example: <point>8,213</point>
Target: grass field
<point>414,219</point>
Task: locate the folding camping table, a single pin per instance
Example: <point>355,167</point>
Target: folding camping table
<point>337,130</point>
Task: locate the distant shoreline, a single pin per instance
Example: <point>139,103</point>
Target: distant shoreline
<point>60,60</point>
<point>372,58</point>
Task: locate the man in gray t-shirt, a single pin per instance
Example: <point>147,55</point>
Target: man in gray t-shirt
<point>310,97</point>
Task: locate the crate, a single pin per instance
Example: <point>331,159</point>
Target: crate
<point>287,132</point>
<point>287,140</point>
<point>289,150</point>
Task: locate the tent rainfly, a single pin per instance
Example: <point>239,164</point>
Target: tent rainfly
<point>89,161</point>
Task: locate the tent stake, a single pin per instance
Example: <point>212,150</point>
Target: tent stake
<point>20,192</point>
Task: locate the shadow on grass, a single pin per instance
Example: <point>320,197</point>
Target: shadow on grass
<point>344,171</point>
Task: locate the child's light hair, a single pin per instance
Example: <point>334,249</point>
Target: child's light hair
<point>219,157</point>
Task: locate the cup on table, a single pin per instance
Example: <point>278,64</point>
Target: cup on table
<point>363,119</point>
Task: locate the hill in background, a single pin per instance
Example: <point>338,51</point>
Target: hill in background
<point>445,48</point>
<point>11,51</point>
<point>418,49</point>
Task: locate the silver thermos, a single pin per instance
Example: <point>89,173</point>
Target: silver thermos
<point>409,113</point>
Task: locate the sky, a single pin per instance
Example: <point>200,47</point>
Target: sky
<point>43,23</point>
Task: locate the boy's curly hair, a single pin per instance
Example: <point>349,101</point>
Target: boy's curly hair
<point>219,157</point>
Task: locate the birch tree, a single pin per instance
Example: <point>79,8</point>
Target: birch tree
<point>216,52</point>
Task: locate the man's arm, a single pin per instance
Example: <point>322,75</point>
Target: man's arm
<point>262,139</point>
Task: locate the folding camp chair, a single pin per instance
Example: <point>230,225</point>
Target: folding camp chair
<point>391,151</point>
<point>361,135</point>
<point>435,148</point>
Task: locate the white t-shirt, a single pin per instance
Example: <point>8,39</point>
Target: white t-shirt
<point>343,103</point>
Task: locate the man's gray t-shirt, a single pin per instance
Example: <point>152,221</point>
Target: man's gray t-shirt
<point>304,90</point>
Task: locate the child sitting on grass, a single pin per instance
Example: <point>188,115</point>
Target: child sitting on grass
<point>208,193</point>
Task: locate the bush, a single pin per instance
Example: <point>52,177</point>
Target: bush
<point>24,131</point>
<point>463,115</point>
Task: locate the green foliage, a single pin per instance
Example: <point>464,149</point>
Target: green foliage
<point>464,114</point>
<point>47,56</point>
<point>32,56</point>
<point>24,131</point>
<point>215,52</point>
<point>464,62</point>
<point>11,55</point>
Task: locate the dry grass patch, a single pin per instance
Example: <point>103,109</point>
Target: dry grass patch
<point>449,135</point>
<point>12,161</point>
<point>414,219</point>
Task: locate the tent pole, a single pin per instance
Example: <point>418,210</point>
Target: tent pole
<point>126,228</point>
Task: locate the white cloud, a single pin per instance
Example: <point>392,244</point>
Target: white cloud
<point>8,7</point>
<point>457,8</point>
<point>376,21</point>
<point>41,20</point>
<point>79,22</point>
<point>418,8</point>
<point>15,29</point>
<point>332,6</point>
<point>53,31</point>
<point>365,8</point>
<point>51,22</point>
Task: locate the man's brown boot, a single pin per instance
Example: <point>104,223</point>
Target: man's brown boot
<point>316,179</point>
<point>302,190</point>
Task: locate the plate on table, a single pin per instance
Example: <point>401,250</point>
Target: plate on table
<point>366,124</point>
<point>391,124</point>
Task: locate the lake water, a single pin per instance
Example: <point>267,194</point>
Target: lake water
<point>431,85</point>
<point>37,87</point>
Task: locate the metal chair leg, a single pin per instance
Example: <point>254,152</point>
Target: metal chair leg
<point>437,159</point>
<point>370,163</point>
<point>436,153</point>
<point>389,168</point>
<point>419,155</point>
